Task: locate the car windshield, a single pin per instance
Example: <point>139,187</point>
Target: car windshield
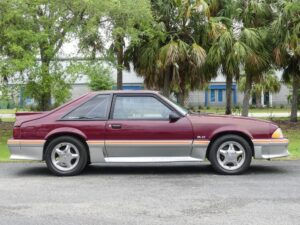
<point>174,104</point>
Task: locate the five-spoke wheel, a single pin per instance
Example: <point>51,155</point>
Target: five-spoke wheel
<point>66,155</point>
<point>230,154</point>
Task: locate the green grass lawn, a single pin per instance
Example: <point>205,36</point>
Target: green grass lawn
<point>221,110</point>
<point>5,133</point>
<point>290,130</point>
<point>294,145</point>
<point>7,119</point>
<point>7,111</point>
<point>4,154</point>
<point>11,111</point>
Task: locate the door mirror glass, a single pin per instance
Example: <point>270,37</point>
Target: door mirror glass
<point>173,117</point>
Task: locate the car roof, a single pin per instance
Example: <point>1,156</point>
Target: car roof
<point>125,91</point>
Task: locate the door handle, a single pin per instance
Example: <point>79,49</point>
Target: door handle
<point>116,126</point>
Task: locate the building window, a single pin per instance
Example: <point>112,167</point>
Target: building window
<point>212,95</point>
<point>220,95</point>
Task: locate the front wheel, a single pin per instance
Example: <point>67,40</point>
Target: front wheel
<point>66,156</point>
<point>230,154</point>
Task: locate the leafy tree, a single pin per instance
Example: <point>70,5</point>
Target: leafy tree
<point>119,22</point>
<point>38,29</point>
<point>16,49</point>
<point>286,52</point>
<point>51,21</point>
<point>61,82</point>
<point>99,75</point>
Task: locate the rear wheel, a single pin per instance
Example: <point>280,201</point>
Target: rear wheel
<point>230,154</point>
<point>66,156</point>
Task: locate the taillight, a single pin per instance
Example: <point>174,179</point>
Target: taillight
<point>16,132</point>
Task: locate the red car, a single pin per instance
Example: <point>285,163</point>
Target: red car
<point>140,126</point>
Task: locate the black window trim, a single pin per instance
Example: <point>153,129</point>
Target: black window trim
<point>112,108</point>
<point>92,119</point>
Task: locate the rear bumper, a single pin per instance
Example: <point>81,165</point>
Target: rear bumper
<point>270,148</point>
<point>26,149</point>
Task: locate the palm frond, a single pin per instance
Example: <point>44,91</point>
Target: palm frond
<point>197,56</point>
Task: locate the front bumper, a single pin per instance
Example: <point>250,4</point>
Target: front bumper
<point>270,148</point>
<point>26,149</point>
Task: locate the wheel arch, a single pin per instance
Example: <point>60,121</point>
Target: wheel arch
<point>222,133</point>
<point>54,135</point>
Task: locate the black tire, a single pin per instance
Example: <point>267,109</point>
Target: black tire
<point>82,161</point>
<point>213,157</point>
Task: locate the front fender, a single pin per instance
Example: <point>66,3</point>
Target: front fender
<point>229,129</point>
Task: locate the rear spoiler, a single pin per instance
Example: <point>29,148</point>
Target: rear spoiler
<point>28,113</point>
<point>22,117</point>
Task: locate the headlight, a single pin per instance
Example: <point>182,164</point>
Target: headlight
<point>277,133</point>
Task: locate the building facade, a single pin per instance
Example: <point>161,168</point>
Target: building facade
<point>213,96</point>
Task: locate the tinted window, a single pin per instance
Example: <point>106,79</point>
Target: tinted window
<point>96,108</point>
<point>131,107</point>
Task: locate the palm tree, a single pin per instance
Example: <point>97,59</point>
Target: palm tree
<point>184,62</point>
<point>286,50</point>
<point>256,63</point>
<point>172,55</point>
<point>256,15</point>
<point>241,46</point>
<point>268,81</point>
<point>233,50</point>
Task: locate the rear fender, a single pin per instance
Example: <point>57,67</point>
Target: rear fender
<point>64,130</point>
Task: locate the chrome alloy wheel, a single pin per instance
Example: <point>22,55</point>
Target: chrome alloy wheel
<point>231,155</point>
<point>65,156</point>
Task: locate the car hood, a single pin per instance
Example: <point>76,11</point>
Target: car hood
<point>255,128</point>
<point>230,118</point>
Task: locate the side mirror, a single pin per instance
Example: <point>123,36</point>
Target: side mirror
<point>173,117</point>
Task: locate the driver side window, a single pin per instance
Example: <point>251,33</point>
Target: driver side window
<point>140,107</point>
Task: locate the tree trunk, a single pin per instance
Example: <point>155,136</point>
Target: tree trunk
<point>247,95</point>
<point>258,100</point>
<point>167,82</point>
<point>120,61</point>
<point>45,98</point>
<point>228,94</point>
<point>294,110</point>
<point>181,98</point>
<point>182,90</point>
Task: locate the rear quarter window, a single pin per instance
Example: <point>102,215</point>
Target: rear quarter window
<point>94,109</point>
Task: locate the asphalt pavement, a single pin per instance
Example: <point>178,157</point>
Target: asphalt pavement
<point>175,194</point>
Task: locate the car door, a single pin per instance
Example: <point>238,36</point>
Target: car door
<point>139,126</point>
<point>89,120</point>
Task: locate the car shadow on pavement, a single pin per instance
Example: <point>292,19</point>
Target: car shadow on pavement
<point>98,170</point>
<point>149,169</point>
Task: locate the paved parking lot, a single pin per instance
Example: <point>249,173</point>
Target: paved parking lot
<point>178,194</point>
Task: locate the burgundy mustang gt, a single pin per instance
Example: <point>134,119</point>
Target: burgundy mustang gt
<point>140,126</point>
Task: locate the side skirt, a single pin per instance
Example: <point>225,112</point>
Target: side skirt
<point>151,159</point>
